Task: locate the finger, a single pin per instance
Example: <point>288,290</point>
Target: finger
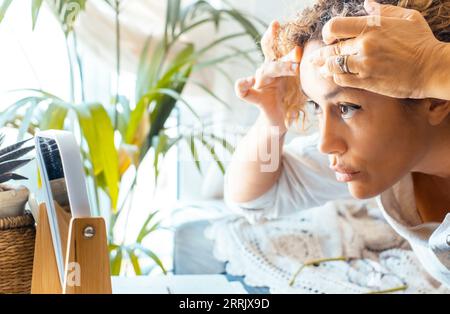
<point>249,94</point>
<point>331,66</point>
<point>345,28</point>
<point>350,80</point>
<point>268,41</point>
<point>271,70</point>
<point>374,8</point>
<point>347,47</point>
<point>242,86</point>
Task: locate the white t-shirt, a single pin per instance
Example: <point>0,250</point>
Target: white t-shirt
<point>307,181</point>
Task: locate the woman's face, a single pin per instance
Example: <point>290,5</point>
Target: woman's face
<point>372,140</point>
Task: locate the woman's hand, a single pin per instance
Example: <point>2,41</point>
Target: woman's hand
<point>276,84</point>
<point>391,52</point>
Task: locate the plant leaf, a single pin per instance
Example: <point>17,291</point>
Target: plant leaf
<point>185,29</point>
<point>246,56</point>
<point>6,115</point>
<point>124,116</point>
<point>154,257</point>
<point>191,143</point>
<point>154,227</point>
<point>43,94</point>
<point>162,110</point>
<point>8,166</point>
<point>11,176</point>
<point>246,24</point>
<point>140,236</point>
<point>222,142</point>
<point>213,153</point>
<point>87,125</point>
<point>160,149</point>
<point>16,154</point>
<point>4,8</point>
<point>182,59</point>
<point>26,120</point>
<point>36,6</point>
<point>173,15</point>
<point>218,41</point>
<point>135,262</point>
<point>107,150</point>
<point>177,97</point>
<point>116,262</point>
<point>143,70</point>
<point>67,12</point>
<point>224,74</point>
<point>147,74</point>
<point>54,117</point>
<point>137,115</point>
<point>112,247</point>
<point>13,147</point>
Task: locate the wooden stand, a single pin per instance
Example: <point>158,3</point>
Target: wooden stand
<point>86,256</point>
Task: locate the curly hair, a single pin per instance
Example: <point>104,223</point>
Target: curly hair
<point>309,23</point>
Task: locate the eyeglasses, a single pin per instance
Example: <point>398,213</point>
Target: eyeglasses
<point>362,272</point>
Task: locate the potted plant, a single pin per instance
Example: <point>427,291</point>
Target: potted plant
<point>12,199</point>
<point>17,230</point>
<point>116,137</point>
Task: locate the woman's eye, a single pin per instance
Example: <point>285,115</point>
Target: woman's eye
<point>315,107</point>
<point>348,110</point>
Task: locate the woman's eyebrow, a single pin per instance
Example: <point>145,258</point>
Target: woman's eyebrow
<point>334,93</point>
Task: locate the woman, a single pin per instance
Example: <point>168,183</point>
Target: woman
<point>370,144</point>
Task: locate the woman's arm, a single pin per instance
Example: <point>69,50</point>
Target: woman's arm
<point>256,163</point>
<point>439,78</point>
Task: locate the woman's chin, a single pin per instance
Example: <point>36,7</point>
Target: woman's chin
<point>362,191</point>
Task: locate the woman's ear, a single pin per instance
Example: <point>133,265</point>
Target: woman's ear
<point>438,110</point>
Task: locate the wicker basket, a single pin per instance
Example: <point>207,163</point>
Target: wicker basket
<point>17,235</point>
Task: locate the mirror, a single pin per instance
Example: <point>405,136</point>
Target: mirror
<point>55,196</point>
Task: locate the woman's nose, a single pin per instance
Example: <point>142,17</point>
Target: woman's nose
<point>331,140</point>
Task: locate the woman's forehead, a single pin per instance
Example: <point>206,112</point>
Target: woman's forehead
<point>313,83</point>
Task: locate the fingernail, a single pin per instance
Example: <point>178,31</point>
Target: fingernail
<point>244,90</point>
<point>244,86</point>
<point>295,67</point>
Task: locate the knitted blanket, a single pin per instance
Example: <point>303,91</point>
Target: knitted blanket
<point>341,247</point>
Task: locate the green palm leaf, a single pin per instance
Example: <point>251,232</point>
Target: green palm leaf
<point>4,8</point>
<point>35,7</point>
<point>153,256</point>
<point>212,151</point>
<point>108,153</point>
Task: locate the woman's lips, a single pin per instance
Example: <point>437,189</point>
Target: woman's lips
<point>344,174</point>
